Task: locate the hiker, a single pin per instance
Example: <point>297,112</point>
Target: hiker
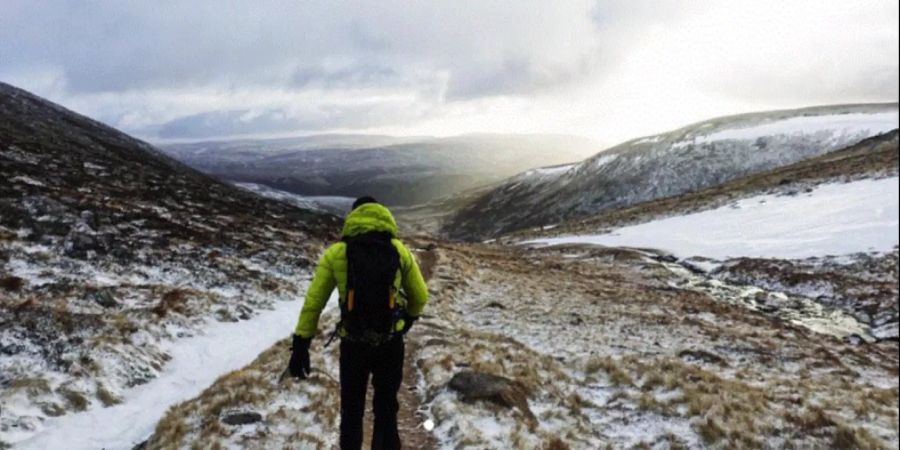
<point>382,293</point>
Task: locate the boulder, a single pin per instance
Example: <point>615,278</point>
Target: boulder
<point>241,417</point>
<point>474,386</point>
<point>104,298</point>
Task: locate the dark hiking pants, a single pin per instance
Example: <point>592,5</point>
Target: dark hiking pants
<point>385,363</point>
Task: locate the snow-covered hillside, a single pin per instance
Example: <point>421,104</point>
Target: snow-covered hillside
<point>328,204</point>
<point>832,219</point>
<point>684,160</point>
<point>114,260</point>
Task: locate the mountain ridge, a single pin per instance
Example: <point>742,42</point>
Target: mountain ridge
<point>686,159</point>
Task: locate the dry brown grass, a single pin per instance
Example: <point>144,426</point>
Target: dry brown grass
<point>172,301</point>
<point>106,396</point>
<point>76,401</point>
<point>251,388</point>
<point>556,444</point>
<point>611,367</point>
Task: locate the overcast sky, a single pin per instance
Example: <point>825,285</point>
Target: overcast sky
<point>610,70</point>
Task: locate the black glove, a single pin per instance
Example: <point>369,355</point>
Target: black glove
<point>408,321</point>
<point>299,365</point>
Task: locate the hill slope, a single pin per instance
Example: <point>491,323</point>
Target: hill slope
<point>685,160</point>
<point>111,252</point>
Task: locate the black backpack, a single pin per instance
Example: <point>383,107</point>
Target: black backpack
<point>370,310</point>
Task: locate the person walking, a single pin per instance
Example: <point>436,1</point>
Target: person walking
<point>381,294</point>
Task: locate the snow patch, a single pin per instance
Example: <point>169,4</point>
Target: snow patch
<point>837,124</point>
<point>834,219</point>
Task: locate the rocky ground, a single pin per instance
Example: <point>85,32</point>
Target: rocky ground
<point>583,347</point>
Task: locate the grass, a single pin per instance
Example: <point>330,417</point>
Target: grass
<point>250,388</point>
<point>32,386</point>
<point>75,400</point>
<point>172,301</point>
<point>729,412</point>
<point>612,369</point>
<point>106,396</point>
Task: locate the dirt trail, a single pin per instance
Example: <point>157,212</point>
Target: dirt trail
<point>412,433</point>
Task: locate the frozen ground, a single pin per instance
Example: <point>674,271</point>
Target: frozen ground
<point>608,348</point>
<point>833,219</point>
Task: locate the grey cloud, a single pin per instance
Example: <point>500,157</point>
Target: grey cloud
<point>351,60</point>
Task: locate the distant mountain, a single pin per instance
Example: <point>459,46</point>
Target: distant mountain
<point>111,252</point>
<point>397,171</point>
<point>685,160</point>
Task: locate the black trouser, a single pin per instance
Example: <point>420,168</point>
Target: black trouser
<point>385,363</point>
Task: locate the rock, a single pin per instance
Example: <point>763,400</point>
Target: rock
<point>854,339</point>
<point>244,312</point>
<point>702,355</point>
<point>667,258</point>
<point>78,244</point>
<point>887,332</point>
<point>241,418</point>
<point>11,283</point>
<point>104,298</point>
<point>88,218</point>
<point>474,386</point>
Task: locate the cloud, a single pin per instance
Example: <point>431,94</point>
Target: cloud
<point>209,68</point>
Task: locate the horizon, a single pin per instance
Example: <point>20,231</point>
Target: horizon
<point>606,70</point>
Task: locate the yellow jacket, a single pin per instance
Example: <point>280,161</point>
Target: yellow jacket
<point>331,271</point>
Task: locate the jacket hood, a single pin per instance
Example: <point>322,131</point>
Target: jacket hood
<point>369,217</point>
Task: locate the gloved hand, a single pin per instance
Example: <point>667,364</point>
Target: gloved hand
<point>299,365</point>
<point>408,321</point>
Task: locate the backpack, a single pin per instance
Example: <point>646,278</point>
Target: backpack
<point>370,310</point>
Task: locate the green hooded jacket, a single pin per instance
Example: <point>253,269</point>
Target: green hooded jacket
<point>331,271</point>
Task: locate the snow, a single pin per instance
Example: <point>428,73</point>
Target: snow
<point>551,171</point>
<point>834,219</point>
<point>604,160</point>
<point>840,124</point>
<point>196,363</point>
<point>27,180</point>
<point>332,204</point>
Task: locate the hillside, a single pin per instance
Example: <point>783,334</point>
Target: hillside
<point>114,258</point>
<point>398,171</point>
<point>875,157</point>
<point>685,160</point>
<point>594,348</point>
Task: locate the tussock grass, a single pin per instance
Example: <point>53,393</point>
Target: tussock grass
<point>255,388</point>
<point>76,400</point>
<point>172,301</point>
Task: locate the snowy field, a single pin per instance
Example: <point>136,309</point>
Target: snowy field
<point>834,219</point>
<point>196,363</point>
<point>836,124</point>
